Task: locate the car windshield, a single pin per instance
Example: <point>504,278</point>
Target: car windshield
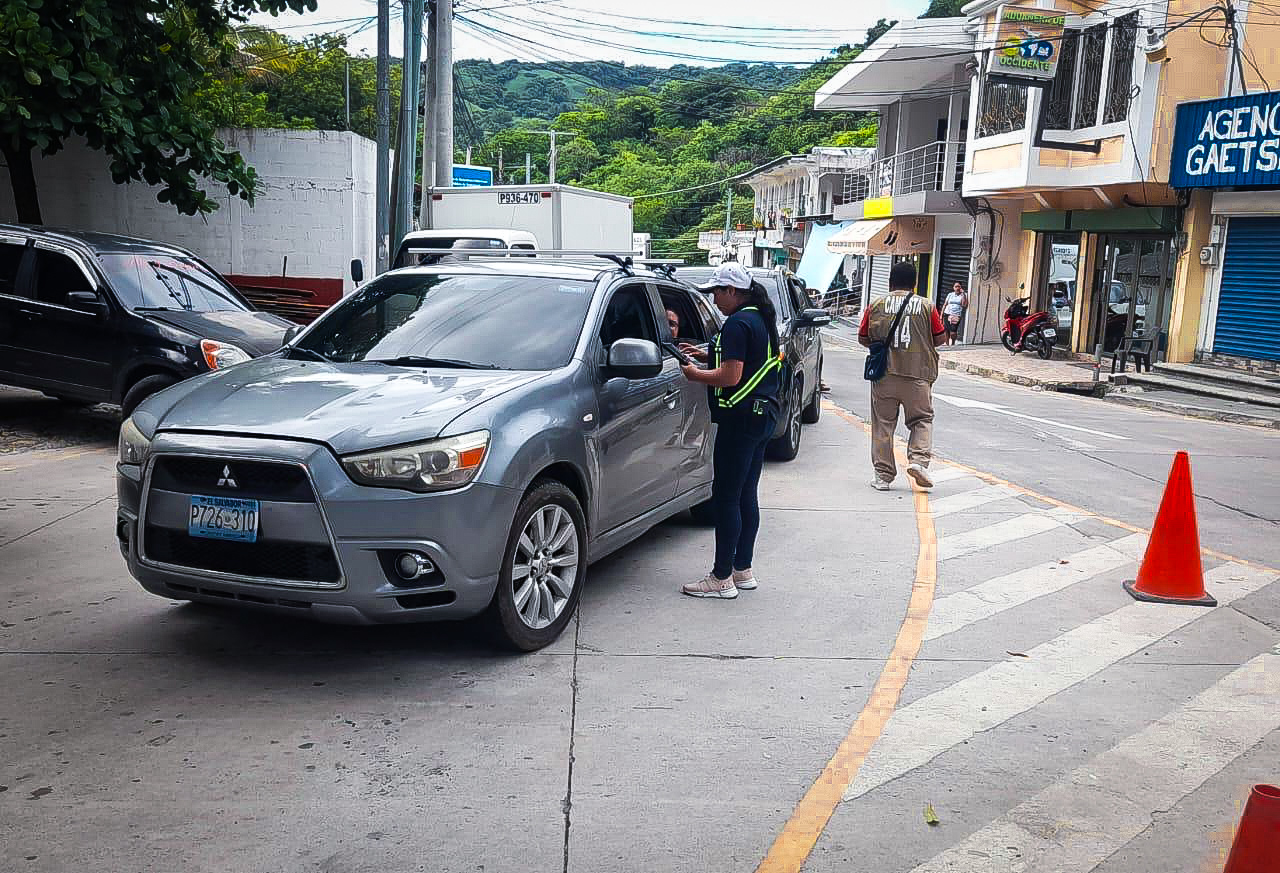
<point>771,284</point>
<point>161,281</point>
<point>501,322</point>
<point>406,258</point>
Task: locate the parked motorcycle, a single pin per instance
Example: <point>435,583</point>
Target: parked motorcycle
<point>1034,331</point>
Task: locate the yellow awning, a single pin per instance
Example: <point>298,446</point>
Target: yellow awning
<point>856,238</point>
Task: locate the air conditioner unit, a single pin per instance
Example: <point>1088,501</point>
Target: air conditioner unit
<point>1208,256</point>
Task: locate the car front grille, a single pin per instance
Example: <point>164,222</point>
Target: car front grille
<point>292,562</point>
<point>261,480</point>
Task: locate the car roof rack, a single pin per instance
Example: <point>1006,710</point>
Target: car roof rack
<point>624,260</point>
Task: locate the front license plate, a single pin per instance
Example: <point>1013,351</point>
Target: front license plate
<point>1050,333</point>
<point>223,518</point>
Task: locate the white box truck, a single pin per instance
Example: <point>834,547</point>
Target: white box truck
<point>553,216</point>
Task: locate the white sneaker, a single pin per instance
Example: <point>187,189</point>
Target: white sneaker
<point>880,484</point>
<point>710,586</point>
<point>743,580</point>
<point>920,475</point>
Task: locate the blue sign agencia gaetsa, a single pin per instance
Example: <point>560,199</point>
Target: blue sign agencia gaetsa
<point>1229,143</point>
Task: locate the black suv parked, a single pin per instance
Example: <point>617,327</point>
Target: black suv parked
<point>96,318</point>
<point>798,323</point>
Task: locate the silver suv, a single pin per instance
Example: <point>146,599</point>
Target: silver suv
<point>447,441</point>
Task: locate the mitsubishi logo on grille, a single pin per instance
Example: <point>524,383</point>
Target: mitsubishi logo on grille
<point>227,480</point>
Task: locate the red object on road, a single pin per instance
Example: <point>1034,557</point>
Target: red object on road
<point>1171,570</point>
<point>1256,848</point>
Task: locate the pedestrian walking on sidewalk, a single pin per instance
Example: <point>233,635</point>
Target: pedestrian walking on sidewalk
<point>908,380</point>
<point>743,379</point>
<point>953,310</point>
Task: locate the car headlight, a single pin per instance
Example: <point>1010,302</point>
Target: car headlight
<point>438,465</point>
<point>219,356</point>
<point>133,445</point>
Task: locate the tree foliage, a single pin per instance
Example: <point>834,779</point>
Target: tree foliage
<point>126,76</point>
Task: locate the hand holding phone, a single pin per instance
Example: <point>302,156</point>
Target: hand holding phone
<point>680,356</point>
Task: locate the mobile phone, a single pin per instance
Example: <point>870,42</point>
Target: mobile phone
<point>680,356</point>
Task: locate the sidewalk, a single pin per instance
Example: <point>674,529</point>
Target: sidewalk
<point>995,362</point>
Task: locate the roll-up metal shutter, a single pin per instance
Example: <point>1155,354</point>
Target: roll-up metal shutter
<point>956,256</point>
<point>1249,303</point>
<point>880,266</point>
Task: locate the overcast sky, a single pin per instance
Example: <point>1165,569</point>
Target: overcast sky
<point>564,30</point>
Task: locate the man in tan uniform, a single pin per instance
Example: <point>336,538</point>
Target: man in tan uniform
<point>908,382</point>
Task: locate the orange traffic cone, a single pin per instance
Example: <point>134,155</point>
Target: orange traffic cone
<point>1171,571</point>
<point>1256,848</point>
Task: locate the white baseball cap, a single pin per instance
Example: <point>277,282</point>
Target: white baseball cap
<point>729,274</point>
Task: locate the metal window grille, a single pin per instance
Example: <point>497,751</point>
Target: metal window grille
<point>1124,36</point>
<point>1057,114</point>
<point>1003,109</point>
<point>1092,58</point>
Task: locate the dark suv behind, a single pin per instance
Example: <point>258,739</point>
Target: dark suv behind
<point>96,318</point>
<point>798,330</point>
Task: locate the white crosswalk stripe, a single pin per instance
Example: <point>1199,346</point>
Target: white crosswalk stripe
<point>992,535</point>
<point>967,500</point>
<point>954,611</point>
<point>919,732</point>
<point>1076,823</point>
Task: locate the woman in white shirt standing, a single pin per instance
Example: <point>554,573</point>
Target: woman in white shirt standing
<point>953,310</point>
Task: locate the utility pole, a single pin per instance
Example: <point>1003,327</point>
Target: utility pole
<point>429,118</point>
<point>553,153</point>
<point>382,186</point>
<point>528,168</point>
<point>444,92</point>
<point>406,153</point>
<point>500,176</point>
<point>347,92</point>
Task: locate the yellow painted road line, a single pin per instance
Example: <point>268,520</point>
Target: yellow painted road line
<point>800,834</point>
<point>59,455</point>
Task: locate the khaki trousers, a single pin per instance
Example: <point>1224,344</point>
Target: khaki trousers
<point>915,396</point>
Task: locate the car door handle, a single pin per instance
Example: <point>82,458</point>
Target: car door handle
<point>672,397</point>
<point>30,313</point>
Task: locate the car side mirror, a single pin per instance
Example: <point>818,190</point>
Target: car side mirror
<point>291,334</point>
<point>635,359</point>
<point>86,301</point>
<point>813,318</point>
<point>357,270</point>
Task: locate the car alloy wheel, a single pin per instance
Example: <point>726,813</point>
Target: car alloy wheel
<point>546,566</point>
<point>543,568</point>
<point>787,446</point>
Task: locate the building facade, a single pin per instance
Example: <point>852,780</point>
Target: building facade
<point>907,204</point>
<point>1072,179</point>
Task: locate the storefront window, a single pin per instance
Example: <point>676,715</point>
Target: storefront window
<point>1057,292</point>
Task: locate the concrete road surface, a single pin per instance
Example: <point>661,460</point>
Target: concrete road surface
<point>970,652</point>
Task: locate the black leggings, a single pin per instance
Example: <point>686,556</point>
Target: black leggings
<point>738,458</point>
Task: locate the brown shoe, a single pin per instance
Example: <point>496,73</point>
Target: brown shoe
<point>710,586</point>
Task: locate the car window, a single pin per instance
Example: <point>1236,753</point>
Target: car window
<point>799,296</point>
<point>507,322</point>
<point>772,285</point>
<point>468,243</point>
<point>680,302</point>
<point>629,315</point>
<point>525,247</point>
<point>706,313</point>
<point>160,281</point>
<point>56,277</point>
<point>10,258</point>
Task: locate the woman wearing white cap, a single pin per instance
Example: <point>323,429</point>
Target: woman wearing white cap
<point>743,379</point>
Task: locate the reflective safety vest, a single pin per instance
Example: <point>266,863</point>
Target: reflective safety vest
<point>721,399</point>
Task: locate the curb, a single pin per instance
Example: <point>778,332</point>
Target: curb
<point>1094,389</point>
<point>1194,412</point>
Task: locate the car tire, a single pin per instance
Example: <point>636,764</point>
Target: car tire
<point>787,446</point>
<point>142,389</point>
<point>535,621</point>
<point>813,411</point>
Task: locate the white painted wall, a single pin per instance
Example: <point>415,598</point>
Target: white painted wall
<point>315,205</point>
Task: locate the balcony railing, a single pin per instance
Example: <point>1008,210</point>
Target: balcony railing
<point>938,166</point>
